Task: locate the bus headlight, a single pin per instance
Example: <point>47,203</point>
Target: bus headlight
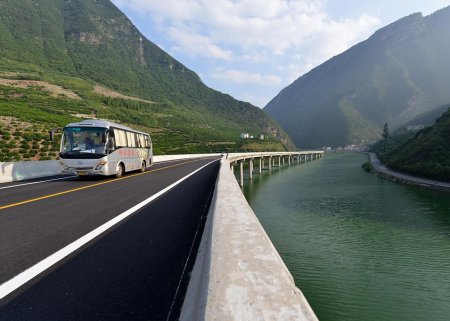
<point>99,165</point>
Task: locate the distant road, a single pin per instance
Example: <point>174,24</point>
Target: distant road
<point>135,269</point>
<point>379,167</point>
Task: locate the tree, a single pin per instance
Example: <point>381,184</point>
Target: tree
<point>385,135</point>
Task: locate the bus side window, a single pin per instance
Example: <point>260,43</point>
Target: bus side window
<point>136,139</point>
<point>120,138</point>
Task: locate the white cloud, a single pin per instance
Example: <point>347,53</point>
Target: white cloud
<point>201,27</point>
<point>196,45</point>
<point>279,39</point>
<point>244,77</point>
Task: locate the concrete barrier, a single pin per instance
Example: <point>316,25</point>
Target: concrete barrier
<point>238,274</point>
<point>17,171</point>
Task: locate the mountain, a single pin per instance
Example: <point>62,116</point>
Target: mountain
<point>92,50</point>
<point>427,154</point>
<point>429,117</point>
<point>399,72</point>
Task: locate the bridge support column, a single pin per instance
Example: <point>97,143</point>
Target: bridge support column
<point>250,169</point>
<point>241,173</point>
<point>261,164</point>
<point>270,163</point>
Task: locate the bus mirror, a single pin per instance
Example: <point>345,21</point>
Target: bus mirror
<point>52,133</point>
<point>103,138</point>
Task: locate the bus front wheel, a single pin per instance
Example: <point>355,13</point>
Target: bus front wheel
<point>120,171</point>
<point>143,167</point>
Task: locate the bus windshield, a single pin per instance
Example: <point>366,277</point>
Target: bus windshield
<point>83,142</point>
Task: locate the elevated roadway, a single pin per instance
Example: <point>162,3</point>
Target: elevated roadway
<point>124,249</point>
<point>102,249</point>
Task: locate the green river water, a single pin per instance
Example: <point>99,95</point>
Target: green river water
<point>359,247</point>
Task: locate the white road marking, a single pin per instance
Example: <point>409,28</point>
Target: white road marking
<point>30,273</point>
<point>38,182</point>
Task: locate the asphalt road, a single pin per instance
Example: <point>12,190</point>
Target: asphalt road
<point>423,182</point>
<point>136,270</point>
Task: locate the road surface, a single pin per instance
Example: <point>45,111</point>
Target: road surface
<point>428,183</point>
<point>102,248</point>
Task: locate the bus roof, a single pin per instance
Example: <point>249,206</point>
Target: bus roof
<point>102,123</point>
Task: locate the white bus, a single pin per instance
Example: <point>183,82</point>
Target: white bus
<point>100,147</point>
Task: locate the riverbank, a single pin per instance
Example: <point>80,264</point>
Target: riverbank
<point>380,169</point>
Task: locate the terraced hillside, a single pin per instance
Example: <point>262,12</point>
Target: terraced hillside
<point>64,60</point>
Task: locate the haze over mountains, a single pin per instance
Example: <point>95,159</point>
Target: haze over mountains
<point>79,44</point>
<point>400,72</point>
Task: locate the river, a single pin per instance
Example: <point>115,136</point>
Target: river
<point>359,247</point>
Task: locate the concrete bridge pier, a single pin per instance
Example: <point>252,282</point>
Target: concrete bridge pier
<point>241,173</point>
<point>276,160</point>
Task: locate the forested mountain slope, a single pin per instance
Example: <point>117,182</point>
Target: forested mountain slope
<point>401,71</point>
<point>81,44</point>
<point>427,154</point>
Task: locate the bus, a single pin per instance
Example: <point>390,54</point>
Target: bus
<point>101,147</point>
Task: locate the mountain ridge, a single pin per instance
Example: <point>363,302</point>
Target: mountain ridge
<point>388,77</point>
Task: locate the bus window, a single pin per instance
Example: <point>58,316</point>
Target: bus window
<point>142,140</point>
<point>121,139</point>
<point>131,140</point>
<point>136,140</point>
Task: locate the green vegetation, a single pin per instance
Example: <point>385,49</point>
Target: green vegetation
<point>398,73</point>
<point>79,44</point>
<point>367,166</point>
<point>426,154</point>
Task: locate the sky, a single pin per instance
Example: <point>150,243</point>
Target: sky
<point>252,49</point>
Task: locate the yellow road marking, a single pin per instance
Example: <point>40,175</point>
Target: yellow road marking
<point>90,186</point>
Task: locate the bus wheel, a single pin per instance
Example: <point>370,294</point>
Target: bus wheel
<point>120,171</point>
<point>143,167</point>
